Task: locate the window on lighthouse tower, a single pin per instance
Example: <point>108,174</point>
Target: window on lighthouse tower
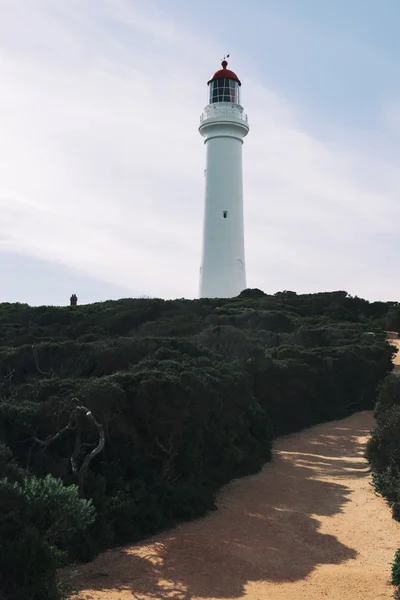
<point>224,90</point>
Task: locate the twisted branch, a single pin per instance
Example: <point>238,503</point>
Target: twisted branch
<point>72,424</point>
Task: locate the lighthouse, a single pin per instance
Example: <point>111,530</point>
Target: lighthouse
<point>223,125</point>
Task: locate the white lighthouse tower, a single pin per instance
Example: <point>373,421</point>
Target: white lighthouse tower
<point>223,125</point>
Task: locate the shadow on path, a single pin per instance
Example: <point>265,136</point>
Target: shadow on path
<point>266,528</point>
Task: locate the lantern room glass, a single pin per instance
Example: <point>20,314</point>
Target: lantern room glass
<point>224,90</point>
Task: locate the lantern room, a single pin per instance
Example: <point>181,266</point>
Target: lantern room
<point>224,86</point>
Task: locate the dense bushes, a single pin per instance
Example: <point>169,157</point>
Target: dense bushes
<point>150,405</point>
<point>383,453</point>
<point>38,517</point>
<point>383,448</point>
<point>396,569</point>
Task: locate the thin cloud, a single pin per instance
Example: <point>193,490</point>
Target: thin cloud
<point>101,164</point>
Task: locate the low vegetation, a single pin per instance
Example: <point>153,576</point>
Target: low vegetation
<point>119,419</point>
<point>383,454</point>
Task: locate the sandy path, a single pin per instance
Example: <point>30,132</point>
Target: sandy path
<point>307,527</point>
<point>395,341</point>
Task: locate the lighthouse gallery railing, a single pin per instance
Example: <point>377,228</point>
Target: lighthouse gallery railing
<point>231,113</point>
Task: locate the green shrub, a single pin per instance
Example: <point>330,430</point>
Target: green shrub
<point>388,395</point>
<point>396,568</point>
<point>383,447</point>
<point>36,517</point>
<point>387,483</point>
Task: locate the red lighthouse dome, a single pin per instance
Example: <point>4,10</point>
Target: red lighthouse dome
<point>224,73</point>
<point>224,86</point>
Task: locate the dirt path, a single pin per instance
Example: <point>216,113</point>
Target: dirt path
<point>307,527</point>
<point>395,341</point>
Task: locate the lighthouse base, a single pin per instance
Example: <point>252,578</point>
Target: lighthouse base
<point>225,284</point>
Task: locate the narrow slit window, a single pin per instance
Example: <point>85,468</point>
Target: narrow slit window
<point>225,213</point>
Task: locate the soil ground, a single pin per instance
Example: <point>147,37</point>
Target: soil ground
<point>307,527</point>
<point>395,341</point>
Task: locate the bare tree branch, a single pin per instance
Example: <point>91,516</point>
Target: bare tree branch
<point>76,452</point>
<point>89,457</point>
<point>49,440</point>
<point>171,450</point>
<point>36,357</point>
<point>6,380</point>
<point>73,424</point>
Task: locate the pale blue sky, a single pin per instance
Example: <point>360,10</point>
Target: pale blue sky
<point>101,164</point>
